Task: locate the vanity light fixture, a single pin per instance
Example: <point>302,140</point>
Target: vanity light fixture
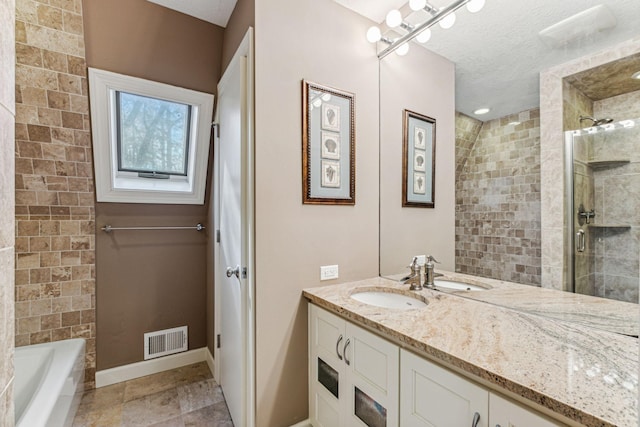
<point>444,16</point>
<point>483,110</point>
<point>636,75</point>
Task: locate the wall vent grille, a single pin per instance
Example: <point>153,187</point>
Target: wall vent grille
<point>165,342</point>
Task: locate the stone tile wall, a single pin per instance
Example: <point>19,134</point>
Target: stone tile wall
<point>55,232</point>
<point>498,202</point>
<point>7,222</point>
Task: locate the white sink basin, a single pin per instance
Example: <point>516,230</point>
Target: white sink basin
<point>457,286</point>
<point>388,300</point>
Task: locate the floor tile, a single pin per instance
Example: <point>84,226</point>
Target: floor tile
<point>199,395</point>
<point>102,398</point>
<point>155,383</point>
<point>186,396</point>
<point>216,415</point>
<point>173,422</point>
<point>151,409</point>
<point>104,417</point>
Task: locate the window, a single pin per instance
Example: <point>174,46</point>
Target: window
<point>150,140</point>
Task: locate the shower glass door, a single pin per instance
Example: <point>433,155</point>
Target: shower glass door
<point>603,210</point>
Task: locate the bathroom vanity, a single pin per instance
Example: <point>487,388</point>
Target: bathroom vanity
<point>461,361</point>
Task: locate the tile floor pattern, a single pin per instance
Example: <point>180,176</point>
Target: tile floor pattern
<point>182,397</point>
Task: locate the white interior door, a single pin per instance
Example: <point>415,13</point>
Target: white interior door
<point>234,312</point>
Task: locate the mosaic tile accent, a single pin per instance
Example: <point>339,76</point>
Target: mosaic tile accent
<point>55,258</point>
<point>498,199</point>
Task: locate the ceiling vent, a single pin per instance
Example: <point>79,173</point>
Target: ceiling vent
<point>578,26</point>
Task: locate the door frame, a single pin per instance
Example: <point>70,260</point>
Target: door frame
<point>246,50</point>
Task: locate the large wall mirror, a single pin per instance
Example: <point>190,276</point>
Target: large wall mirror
<point>492,197</point>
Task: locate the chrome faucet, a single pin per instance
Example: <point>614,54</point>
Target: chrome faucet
<point>429,273</point>
<point>414,279</point>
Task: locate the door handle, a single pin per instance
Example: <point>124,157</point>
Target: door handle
<point>232,272</point>
<point>344,351</point>
<point>338,345</point>
<point>580,243</point>
<point>476,420</point>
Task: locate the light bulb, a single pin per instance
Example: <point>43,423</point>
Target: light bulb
<point>317,102</point>
<point>402,49</point>
<point>417,4</point>
<point>394,18</point>
<point>475,5</point>
<point>448,21</point>
<point>374,34</point>
<point>424,36</point>
<point>326,97</point>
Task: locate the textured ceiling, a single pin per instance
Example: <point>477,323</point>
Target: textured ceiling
<point>215,11</point>
<point>608,80</point>
<point>498,53</point>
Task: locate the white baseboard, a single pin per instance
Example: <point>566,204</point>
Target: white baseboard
<point>140,369</point>
<point>305,423</point>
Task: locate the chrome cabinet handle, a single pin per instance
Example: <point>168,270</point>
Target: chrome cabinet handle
<point>232,272</point>
<point>476,420</point>
<point>344,351</point>
<point>338,345</point>
<point>580,244</point>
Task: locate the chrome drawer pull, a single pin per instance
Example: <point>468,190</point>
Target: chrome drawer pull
<point>476,420</point>
<point>338,345</point>
<point>344,351</point>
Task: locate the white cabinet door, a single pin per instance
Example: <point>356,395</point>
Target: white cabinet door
<point>433,396</point>
<point>353,374</point>
<point>504,413</point>
<point>327,369</point>
<point>372,374</point>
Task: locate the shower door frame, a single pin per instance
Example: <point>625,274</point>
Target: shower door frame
<point>569,256</point>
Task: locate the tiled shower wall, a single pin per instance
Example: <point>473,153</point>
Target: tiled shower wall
<point>617,198</point>
<point>7,224</point>
<point>498,200</point>
<point>55,267</point>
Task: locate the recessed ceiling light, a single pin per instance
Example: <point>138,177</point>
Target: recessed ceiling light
<point>514,123</point>
<point>482,111</point>
<point>636,75</point>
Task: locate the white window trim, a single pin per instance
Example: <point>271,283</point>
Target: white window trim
<point>126,187</point>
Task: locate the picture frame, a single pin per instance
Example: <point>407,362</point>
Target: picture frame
<point>328,145</point>
<point>418,160</point>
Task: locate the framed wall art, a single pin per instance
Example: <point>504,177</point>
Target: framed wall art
<point>418,160</point>
<point>328,145</point>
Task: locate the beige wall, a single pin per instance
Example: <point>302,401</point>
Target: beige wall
<point>422,82</point>
<point>146,280</point>
<point>325,44</point>
<point>55,267</point>
<point>7,203</point>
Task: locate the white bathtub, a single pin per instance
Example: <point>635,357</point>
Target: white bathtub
<point>49,381</point>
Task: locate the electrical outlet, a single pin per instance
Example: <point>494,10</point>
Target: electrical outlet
<point>328,272</point>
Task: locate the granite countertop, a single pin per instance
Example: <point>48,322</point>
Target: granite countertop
<point>601,313</point>
<point>585,374</point>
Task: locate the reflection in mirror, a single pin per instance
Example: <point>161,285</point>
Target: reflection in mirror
<point>508,214</point>
<point>602,164</point>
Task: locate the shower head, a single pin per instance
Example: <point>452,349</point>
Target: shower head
<point>596,122</point>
